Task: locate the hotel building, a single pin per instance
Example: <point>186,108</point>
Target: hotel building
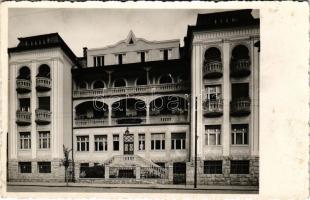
<point>139,111</point>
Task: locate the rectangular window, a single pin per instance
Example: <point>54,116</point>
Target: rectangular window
<point>44,103</point>
<point>115,142</point>
<point>82,143</point>
<point>98,61</point>
<point>239,166</point>
<point>44,167</point>
<point>141,141</point>
<point>83,168</point>
<point>24,104</point>
<point>212,167</point>
<point>214,92</point>
<point>142,56</point>
<point>213,135</point>
<point>44,140</point>
<point>158,141</point>
<point>165,54</point>
<point>24,167</point>
<point>120,59</point>
<point>239,134</point>
<point>101,143</point>
<point>239,90</point>
<point>178,140</point>
<point>24,140</point>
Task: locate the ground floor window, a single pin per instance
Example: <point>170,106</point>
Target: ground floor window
<point>212,167</point>
<point>178,140</point>
<point>101,143</point>
<point>239,134</point>
<point>44,140</point>
<point>24,140</point>
<point>141,141</point>
<point>158,141</point>
<point>44,167</point>
<point>83,168</point>
<point>115,142</point>
<point>24,167</point>
<point>213,135</point>
<point>161,164</point>
<point>239,166</point>
<point>82,143</point>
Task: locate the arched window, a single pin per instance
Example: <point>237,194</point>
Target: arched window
<point>24,73</point>
<point>212,54</point>
<point>98,84</point>
<point>141,81</point>
<point>119,83</point>
<point>166,79</point>
<point>240,52</point>
<point>44,71</point>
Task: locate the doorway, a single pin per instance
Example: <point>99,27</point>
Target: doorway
<point>128,144</point>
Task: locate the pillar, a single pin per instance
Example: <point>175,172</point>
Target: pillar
<point>226,98</point>
<point>138,172</point>
<point>106,172</point>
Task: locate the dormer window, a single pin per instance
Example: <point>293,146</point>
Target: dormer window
<point>119,58</point>
<point>166,54</point>
<point>98,61</point>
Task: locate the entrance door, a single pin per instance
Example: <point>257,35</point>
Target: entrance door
<point>128,144</point>
<point>179,173</point>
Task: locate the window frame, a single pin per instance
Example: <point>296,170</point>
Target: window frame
<point>116,141</point>
<point>42,138</point>
<point>239,167</point>
<point>23,140</point>
<point>82,139</point>
<point>213,167</point>
<point>242,129</point>
<point>175,140</point>
<point>100,139</point>
<point>49,168</point>
<point>141,141</point>
<point>27,164</point>
<point>215,90</point>
<point>213,130</point>
<point>155,141</point>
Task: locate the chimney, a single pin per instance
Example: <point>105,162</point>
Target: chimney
<point>84,52</point>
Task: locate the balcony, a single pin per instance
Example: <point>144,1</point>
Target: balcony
<point>23,118</point>
<point>213,108</point>
<point>129,120</point>
<point>43,84</point>
<point>23,86</point>
<point>43,117</point>
<point>213,69</point>
<point>90,122</point>
<point>169,119</point>
<point>241,68</point>
<point>240,107</point>
<point>143,89</point>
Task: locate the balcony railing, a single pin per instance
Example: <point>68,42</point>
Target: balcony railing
<point>241,68</point>
<point>129,120</point>
<point>240,107</point>
<point>213,69</point>
<point>23,118</point>
<point>43,84</point>
<point>213,108</point>
<point>43,116</point>
<point>23,85</point>
<point>143,89</point>
<point>90,122</point>
<point>166,119</point>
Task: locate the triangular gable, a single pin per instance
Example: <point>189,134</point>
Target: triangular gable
<point>131,38</point>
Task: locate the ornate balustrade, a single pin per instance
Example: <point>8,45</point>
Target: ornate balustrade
<point>23,85</point>
<point>43,116</point>
<point>43,84</point>
<point>240,68</point>
<point>23,118</point>
<point>240,107</point>
<point>213,69</point>
<point>213,108</point>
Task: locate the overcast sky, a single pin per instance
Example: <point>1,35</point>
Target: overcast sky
<point>94,28</point>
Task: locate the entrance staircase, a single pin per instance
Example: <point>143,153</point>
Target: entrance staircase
<point>145,165</point>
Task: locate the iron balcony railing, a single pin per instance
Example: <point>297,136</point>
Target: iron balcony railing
<point>241,67</point>
<point>213,108</point>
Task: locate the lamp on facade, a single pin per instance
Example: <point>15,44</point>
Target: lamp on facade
<point>127,131</point>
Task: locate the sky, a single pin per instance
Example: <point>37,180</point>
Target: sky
<point>95,28</point>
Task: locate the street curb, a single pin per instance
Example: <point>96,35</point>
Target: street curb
<point>245,188</point>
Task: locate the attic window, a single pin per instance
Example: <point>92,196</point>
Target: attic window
<point>131,41</point>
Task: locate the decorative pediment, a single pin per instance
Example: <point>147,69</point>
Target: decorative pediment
<point>131,38</point>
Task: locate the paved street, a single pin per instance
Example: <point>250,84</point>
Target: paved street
<point>25,188</point>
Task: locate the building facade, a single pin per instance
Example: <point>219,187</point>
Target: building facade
<point>139,111</point>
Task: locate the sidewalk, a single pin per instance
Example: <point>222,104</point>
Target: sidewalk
<point>140,186</point>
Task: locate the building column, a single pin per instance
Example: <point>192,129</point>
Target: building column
<point>109,81</point>
<point>33,106</point>
<point>147,113</point>
<point>226,98</point>
<point>110,114</point>
<point>138,171</point>
<point>168,144</point>
<point>106,172</point>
